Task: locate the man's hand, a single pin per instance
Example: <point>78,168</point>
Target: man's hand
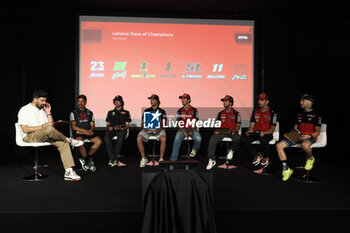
<point>117,128</point>
<point>47,108</point>
<point>89,132</point>
<point>48,124</point>
<point>262,134</point>
<point>304,137</point>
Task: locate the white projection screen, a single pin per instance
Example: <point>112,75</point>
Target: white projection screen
<point>137,57</point>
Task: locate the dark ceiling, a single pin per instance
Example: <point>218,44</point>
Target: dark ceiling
<point>239,7</point>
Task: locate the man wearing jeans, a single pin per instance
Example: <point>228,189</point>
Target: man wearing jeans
<point>230,125</point>
<point>37,123</point>
<point>185,117</point>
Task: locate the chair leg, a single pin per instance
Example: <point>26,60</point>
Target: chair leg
<point>305,176</point>
<point>227,165</point>
<point>37,176</point>
<point>153,162</point>
<point>188,149</point>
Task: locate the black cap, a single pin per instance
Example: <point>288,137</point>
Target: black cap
<point>308,97</point>
<point>185,95</point>
<point>154,96</point>
<point>118,97</point>
<point>82,97</point>
<point>227,97</point>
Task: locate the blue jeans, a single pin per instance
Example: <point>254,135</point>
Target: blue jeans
<point>178,139</point>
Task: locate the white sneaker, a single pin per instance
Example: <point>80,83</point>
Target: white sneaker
<point>161,160</point>
<point>211,164</point>
<point>230,155</point>
<point>193,153</point>
<point>112,163</point>
<point>143,162</point>
<point>71,175</point>
<point>74,142</point>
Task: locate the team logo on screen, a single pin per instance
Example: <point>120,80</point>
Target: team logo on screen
<point>192,67</point>
<point>151,120</point>
<point>97,68</point>
<point>239,72</point>
<point>144,66</point>
<point>217,68</point>
<point>119,68</point>
<point>168,69</point>
<point>144,72</point>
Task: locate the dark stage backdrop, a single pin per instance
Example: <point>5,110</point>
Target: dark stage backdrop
<point>296,54</point>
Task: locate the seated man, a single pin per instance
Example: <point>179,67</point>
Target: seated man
<point>262,125</point>
<point>184,117</point>
<point>83,127</point>
<point>146,133</point>
<point>230,125</point>
<point>37,123</point>
<point>308,123</point>
<point>118,120</point>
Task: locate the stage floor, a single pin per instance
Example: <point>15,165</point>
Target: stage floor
<point>119,189</point>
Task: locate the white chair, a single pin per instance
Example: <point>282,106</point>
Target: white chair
<point>321,139</point>
<point>187,139</point>
<point>273,141</point>
<point>227,140</point>
<point>19,141</point>
<point>305,175</point>
<point>275,134</point>
<point>153,155</point>
<point>116,137</point>
<point>74,149</point>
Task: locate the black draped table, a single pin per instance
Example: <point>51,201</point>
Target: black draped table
<point>179,202</point>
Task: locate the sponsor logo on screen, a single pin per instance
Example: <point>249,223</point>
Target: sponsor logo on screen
<point>97,68</point>
<point>119,68</point>
<point>144,72</point>
<point>191,123</point>
<point>240,72</point>
<point>92,36</point>
<point>168,70</point>
<point>192,67</point>
<point>243,38</point>
<point>151,120</point>
<point>217,68</point>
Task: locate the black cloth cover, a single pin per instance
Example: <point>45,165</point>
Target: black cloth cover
<point>178,202</point>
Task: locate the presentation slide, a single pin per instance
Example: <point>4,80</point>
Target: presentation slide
<point>138,57</point>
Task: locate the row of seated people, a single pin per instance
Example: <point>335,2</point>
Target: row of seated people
<point>36,122</point>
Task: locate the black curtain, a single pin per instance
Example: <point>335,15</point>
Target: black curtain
<point>179,202</point>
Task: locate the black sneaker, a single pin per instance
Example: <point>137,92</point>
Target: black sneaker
<point>91,166</point>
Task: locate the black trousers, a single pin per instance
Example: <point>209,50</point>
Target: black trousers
<point>216,138</point>
<point>246,141</point>
<point>113,153</point>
